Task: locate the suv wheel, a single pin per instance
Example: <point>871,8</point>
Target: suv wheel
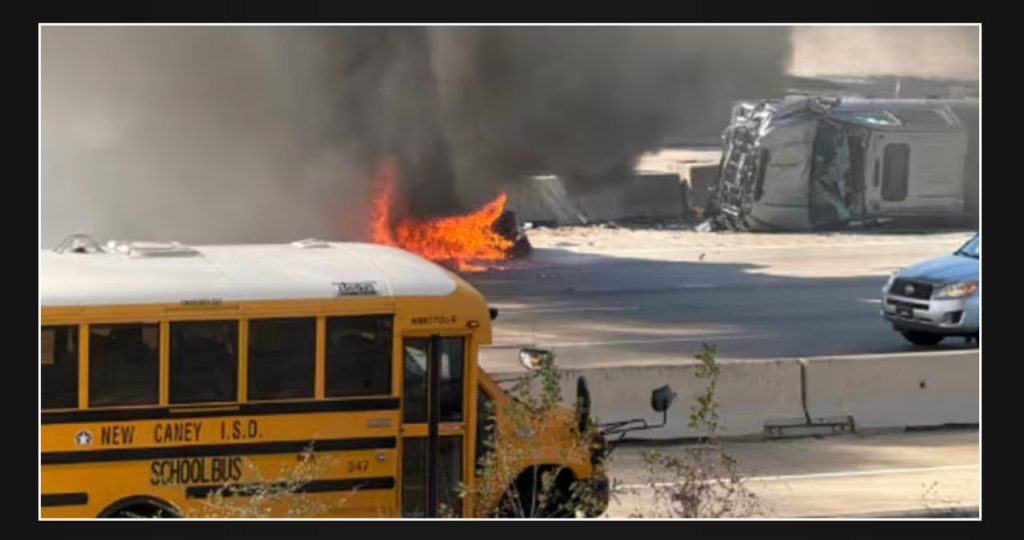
<point>922,338</point>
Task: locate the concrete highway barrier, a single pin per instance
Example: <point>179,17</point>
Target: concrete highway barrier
<point>747,393</point>
<point>895,390</point>
<point>544,200</point>
<point>644,195</point>
<point>876,391</point>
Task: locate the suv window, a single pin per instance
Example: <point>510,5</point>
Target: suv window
<point>971,249</point>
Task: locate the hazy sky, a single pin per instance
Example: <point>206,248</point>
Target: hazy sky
<point>910,51</point>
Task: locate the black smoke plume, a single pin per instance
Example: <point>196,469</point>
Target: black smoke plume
<point>211,134</point>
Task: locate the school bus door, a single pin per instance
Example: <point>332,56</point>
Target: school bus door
<point>433,425</point>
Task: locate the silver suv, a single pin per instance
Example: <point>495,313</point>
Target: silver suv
<point>936,298</point>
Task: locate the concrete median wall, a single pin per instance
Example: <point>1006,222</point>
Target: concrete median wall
<point>702,177</point>
<point>645,195</point>
<point>543,200</point>
<point>642,196</point>
<point>747,393</point>
<point>895,390</point>
<point>877,391</point>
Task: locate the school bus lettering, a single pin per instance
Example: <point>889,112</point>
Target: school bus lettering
<point>202,302</point>
<point>356,288</point>
<point>165,472</point>
<point>116,435</point>
<point>435,319</point>
<point>239,430</point>
<point>176,432</point>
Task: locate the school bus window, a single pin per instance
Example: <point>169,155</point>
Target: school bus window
<point>414,476</point>
<point>452,350</point>
<point>282,358</point>
<point>124,364</point>
<point>204,361</point>
<point>449,474</point>
<point>484,425</point>
<point>358,356</point>
<point>414,380</point>
<point>59,358</point>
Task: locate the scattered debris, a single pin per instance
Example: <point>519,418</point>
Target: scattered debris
<point>507,227</point>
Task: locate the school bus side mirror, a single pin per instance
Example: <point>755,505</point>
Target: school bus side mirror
<point>531,358</point>
<point>662,398</point>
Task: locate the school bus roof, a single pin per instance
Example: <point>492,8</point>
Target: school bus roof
<point>135,273</point>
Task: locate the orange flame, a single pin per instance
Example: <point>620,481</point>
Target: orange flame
<point>459,239</point>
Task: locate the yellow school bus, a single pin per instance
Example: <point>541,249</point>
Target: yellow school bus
<point>169,372</point>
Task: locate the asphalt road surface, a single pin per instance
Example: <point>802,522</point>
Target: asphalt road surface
<point>608,297</point>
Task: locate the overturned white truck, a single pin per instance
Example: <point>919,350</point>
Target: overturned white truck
<point>824,162</point>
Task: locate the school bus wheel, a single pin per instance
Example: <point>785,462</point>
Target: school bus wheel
<point>140,507</point>
<point>557,500</point>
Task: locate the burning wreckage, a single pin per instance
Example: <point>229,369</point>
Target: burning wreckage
<point>823,162</point>
<point>798,163</point>
<point>471,242</point>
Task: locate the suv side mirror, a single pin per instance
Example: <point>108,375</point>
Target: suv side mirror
<point>662,398</point>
